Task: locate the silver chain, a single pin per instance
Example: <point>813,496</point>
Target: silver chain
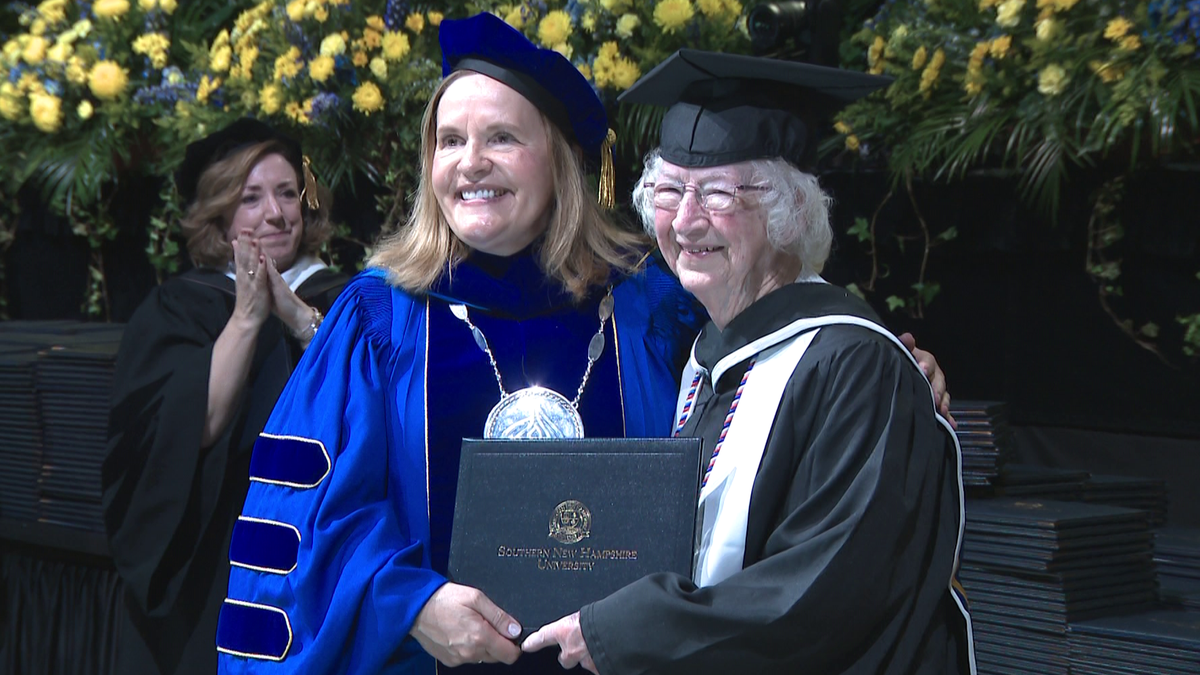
<point>595,345</point>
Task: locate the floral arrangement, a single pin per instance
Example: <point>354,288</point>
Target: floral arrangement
<point>1039,86</point>
<point>90,92</point>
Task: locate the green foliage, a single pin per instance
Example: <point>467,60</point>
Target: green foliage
<point>1042,87</point>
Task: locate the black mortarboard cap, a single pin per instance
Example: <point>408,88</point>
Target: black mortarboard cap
<point>221,144</point>
<point>485,44</point>
<point>728,108</point>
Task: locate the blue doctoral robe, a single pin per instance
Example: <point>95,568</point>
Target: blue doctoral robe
<point>345,529</point>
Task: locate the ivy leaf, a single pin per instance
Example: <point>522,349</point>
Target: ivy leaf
<point>861,229</point>
<point>895,302</point>
<point>927,291</point>
<point>1149,330</point>
<point>853,288</point>
<point>950,233</point>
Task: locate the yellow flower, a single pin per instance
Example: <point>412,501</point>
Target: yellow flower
<point>379,68</point>
<point>627,24</point>
<point>987,4</point>
<point>875,50</point>
<point>154,46</point>
<point>1117,28</point>
<point>1052,80</point>
<point>53,11</point>
<point>167,6</point>
<point>395,46</point>
<point>565,49</point>
<point>320,14</point>
<point>288,64</point>
<point>585,70</point>
<point>435,18</point>
<point>85,110</point>
<point>107,80</point>
<point>35,51</point>
<point>367,98</point>
<point>218,61</point>
<point>76,72</point>
<point>29,82</point>
<point>360,59</point>
<point>375,22</point>
<point>60,52</point>
<point>10,102</point>
<point>270,98</point>
<point>46,111</point>
<point>320,68</point>
<point>841,127</point>
<point>147,5</point>
<point>711,9</point>
<point>1009,13</point>
<point>110,9</point>
<point>1063,5</point>
<point>333,45</point>
<point>1107,72</point>
<point>625,73</point>
<point>38,27</point>
<point>588,21</point>
<point>939,58</point>
<point>1046,29</point>
<point>608,51</point>
<point>919,58</point>
<point>1129,43</point>
<point>515,17</point>
<point>671,15</point>
<point>81,28</point>
<point>295,10</point>
<point>554,28</point>
<point>297,112</point>
<point>206,87</point>
<point>615,6</point>
<point>852,143</point>
<point>222,40</point>
<point>415,22</point>
<point>246,58</point>
<point>1000,46</point>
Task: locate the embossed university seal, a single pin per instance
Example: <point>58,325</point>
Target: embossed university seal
<point>571,522</point>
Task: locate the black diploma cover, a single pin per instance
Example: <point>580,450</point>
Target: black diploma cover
<point>544,527</point>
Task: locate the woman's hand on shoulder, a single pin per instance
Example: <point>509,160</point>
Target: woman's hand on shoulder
<point>253,303</point>
<point>459,624</point>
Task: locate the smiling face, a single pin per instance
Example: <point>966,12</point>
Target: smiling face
<point>270,211</point>
<point>491,172</point>
<point>724,259</point>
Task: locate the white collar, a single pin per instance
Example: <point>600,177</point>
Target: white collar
<point>304,267</point>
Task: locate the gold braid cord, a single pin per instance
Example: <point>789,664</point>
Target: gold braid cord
<point>310,186</point>
<point>608,175</point>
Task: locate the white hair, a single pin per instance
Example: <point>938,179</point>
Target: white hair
<point>797,209</point>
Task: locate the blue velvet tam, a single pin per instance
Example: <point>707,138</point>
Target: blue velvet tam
<point>485,44</point>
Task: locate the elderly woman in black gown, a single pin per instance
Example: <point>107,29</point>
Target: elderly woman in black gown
<point>830,512</point>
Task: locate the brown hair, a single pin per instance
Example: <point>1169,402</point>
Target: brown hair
<point>580,248</point>
<point>218,194</point>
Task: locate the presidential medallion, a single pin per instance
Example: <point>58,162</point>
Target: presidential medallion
<point>533,412</point>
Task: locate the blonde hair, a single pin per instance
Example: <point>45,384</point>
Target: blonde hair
<point>218,194</point>
<point>580,248</point>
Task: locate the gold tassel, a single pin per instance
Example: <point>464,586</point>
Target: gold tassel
<point>608,175</point>
<point>310,186</point>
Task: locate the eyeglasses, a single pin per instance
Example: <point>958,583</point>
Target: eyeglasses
<point>713,199</point>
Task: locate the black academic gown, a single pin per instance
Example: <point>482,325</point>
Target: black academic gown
<point>170,504</point>
<point>852,530</point>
